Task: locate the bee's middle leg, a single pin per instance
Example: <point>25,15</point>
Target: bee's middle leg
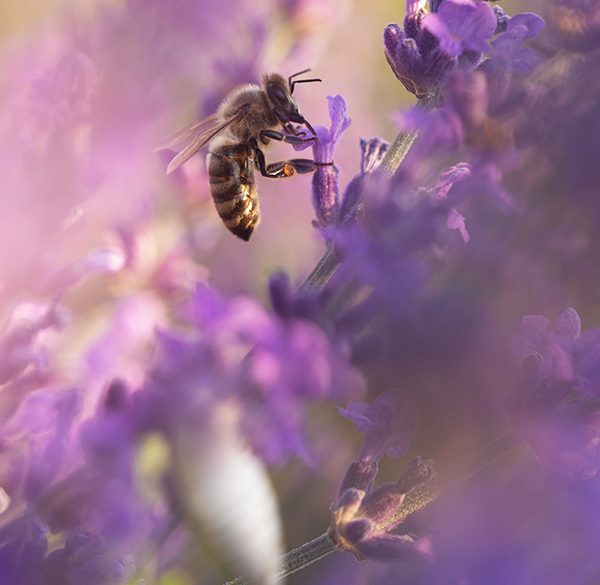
<point>284,168</point>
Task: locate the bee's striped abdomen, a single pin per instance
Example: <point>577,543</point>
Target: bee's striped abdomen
<point>232,186</point>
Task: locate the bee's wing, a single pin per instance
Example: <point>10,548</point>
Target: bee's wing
<point>181,139</point>
<point>190,140</point>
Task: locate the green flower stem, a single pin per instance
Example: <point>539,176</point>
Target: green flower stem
<point>397,152</point>
<point>401,145</point>
<point>306,554</point>
<point>322,272</point>
<point>299,558</point>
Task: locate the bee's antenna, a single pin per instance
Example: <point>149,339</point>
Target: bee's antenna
<point>296,75</point>
<point>293,83</point>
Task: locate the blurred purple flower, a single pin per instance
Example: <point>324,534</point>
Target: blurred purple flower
<point>576,24</point>
<point>18,347</point>
<point>547,378</point>
<point>448,177</point>
<point>108,439</point>
<point>508,45</point>
<point>502,532</point>
<point>55,456</point>
<point>268,365</point>
<point>556,349</point>
<point>289,303</point>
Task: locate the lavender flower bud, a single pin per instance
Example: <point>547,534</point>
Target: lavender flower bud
<point>501,19</point>
<point>414,56</point>
<point>362,516</point>
<point>326,195</point>
<point>359,476</point>
<point>362,519</point>
<point>373,151</point>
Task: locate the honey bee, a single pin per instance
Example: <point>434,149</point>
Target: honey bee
<point>242,127</point>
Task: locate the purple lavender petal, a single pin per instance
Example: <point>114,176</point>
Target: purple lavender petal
<point>323,149</point>
<point>439,29</point>
<point>558,363</point>
<point>462,24</point>
<point>387,548</point>
<point>536,328</point>
<point>338,114</point>
<point>389,425</point>
<point>531,21</point>
<point>586,359</point>
<point>457,222</point>
<point>568,325</point>
<point>527,60</point>
<point>568,446</point>
<point>450,176</point>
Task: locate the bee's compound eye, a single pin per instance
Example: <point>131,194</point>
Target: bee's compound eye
<point>278,95</point>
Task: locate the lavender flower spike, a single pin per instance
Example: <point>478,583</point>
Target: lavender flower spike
<point>325,193</point>
<point>554,366</point>
<point>462,24</point>
<point>361,520</point>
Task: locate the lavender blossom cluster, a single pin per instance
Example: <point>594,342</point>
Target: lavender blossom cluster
<point>172,413</point>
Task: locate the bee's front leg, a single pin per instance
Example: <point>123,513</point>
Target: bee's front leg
<point>275,135</point>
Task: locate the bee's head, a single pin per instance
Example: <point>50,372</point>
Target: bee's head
<point>279,93</point>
